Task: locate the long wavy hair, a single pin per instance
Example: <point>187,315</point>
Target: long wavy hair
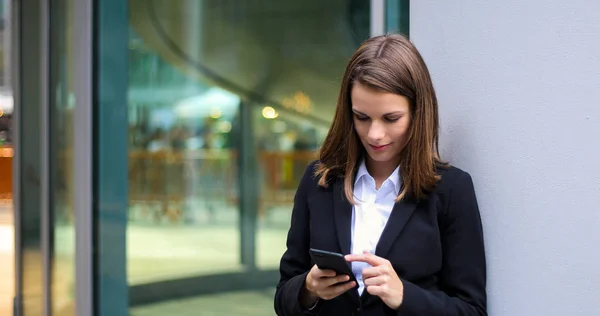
<point>388,63</point>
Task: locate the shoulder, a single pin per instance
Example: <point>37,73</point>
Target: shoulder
<point>455,193</point>
<point>312,166</point>
<point>453,179</point>
<point>310,173</point>
<point>310,177</point>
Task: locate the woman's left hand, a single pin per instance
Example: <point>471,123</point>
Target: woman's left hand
<point>380,279</point>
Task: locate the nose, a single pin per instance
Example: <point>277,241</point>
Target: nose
<point>376,131</point>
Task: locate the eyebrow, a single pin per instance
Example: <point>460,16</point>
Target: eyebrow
<point>386,114</point>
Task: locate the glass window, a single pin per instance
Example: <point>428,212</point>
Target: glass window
<point>397,16</point>
<point>227,102</point>
<point>61,158</point>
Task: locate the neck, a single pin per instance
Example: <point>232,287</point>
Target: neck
<point>380,171</point>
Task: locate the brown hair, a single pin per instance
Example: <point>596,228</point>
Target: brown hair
<point>389,63</point>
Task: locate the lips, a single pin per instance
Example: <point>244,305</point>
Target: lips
<point>379,147</point>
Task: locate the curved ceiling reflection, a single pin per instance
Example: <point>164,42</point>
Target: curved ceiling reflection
<point>286,54</point>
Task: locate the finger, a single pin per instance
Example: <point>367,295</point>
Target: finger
<point>378,280</point>
<point>377,290</point>
<point>324,273</point>
<point>336,290</point>
<point>375,271</point>
<point>371,272</point>
<point>328,282</point>
<point>368,258</point>
<point>345,286</point>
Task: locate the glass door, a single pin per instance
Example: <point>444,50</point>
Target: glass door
<point>42,168</point>
<point>170,138</point>
<point>207,114</point>
<point>29,169</point>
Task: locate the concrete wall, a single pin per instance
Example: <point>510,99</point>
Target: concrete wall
<point>519,90</point>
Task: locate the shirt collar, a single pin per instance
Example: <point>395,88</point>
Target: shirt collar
<point>394,177</point>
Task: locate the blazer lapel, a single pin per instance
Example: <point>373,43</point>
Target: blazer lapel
<point>342,210</point>
<point>400,215</point>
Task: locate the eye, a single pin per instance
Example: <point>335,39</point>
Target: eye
<point>392,119</point>
<point>361,117</point>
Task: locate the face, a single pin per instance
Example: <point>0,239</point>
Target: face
<point>381,120</point>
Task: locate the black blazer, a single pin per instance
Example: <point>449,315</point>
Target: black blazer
<point>435,246</point>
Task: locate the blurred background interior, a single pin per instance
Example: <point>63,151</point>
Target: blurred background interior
<point>206,79</point>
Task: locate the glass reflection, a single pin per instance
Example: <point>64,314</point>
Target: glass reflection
<point>194,65</point>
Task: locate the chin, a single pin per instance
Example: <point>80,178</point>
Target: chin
<point>388,155</point>
<point>381,157</point>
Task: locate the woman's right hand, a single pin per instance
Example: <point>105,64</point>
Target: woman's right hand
<point>325,284</point>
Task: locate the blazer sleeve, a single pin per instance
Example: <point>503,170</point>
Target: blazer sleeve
<point>295,262</point>
<point>463,275</point>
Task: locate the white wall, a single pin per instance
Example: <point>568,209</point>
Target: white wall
<point>519,90</point>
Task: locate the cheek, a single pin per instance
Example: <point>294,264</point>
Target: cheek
<point>361,129</point>
<point>400,132</point>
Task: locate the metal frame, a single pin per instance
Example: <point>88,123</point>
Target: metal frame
<point>45,216</point>
<point>397,14</point>
<point>16,133</point>
<point>110,163</point>
<point>248,188</point>
<point>6,41</point>
<point>377,17</point>
<point>145,294</point>
<point>83,140</point>
<point>30,60</point>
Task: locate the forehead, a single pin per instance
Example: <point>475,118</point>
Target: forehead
<point>371,101</point>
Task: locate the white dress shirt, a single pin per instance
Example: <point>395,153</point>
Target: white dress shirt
<point>370,214</point>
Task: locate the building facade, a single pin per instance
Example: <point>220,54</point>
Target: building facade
<point>157,146</point>
<point>154,146</point>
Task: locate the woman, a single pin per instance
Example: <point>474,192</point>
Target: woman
<point>407,222</point>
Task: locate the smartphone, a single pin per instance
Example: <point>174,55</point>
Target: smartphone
<point>327,260</point>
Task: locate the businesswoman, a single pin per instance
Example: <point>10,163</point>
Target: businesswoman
<point>407,222</point>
